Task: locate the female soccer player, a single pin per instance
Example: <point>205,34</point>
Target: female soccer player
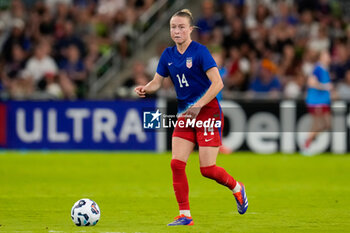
<point>318,99</point>
<point>197,81</point>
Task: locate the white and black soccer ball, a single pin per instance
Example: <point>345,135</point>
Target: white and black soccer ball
<point>85,212</point>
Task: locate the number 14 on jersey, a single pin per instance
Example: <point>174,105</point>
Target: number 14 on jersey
<point>182,81</point>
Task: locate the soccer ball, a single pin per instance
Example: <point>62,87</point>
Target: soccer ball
<point>85,212</point>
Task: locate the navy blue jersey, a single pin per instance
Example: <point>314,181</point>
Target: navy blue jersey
<point>188,72</point>
<point>315,96</point>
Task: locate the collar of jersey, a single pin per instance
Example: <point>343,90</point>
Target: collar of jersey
<point>179,54</point>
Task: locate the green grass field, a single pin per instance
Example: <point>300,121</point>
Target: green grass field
<point>287,193</point>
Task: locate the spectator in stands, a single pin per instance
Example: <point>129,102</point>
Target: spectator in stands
<point>138,77</point>
<point>124,31</point>
<point>337,31</point>
<point>93,54</point>
<point>238,35</point>
<point>283,36</point>
<point>321,42</point>
<point>17,10</point>
<point>34,20</point>
<point>153,61</point>
<point>251,7</point>
<point>307,28</point>
<point>73,74</point>
<point>84,4</point>
<point>284,15</point>
<point>17,36</point>
<point>237,70</point>
<point>52,4</point>
<point>67,40</point>
<point>84,26</point>
<point>109,8</point>
<point>207,22</point>
<point>46,21</point>
<point>266,82</point>
<point>39,67</point>
<point>229,12</point>
<point>62,15</point>
<point>289,64</point>
<point>12,69</point>
<point>323,9</point>
<point>340,62</point>
<point>262,17</point>
<point>217,37</point>
<point>295,86</point>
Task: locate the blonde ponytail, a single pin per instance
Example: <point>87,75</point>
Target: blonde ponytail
<point>185,13</point>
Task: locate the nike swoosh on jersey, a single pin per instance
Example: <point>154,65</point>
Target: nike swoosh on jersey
<point>207,140</point>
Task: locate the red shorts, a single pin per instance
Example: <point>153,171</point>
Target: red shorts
<point>319,109</point>
<point>206,129</point>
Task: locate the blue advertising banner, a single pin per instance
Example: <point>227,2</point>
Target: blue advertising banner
<point>3,124</point>
<point>93,125</point>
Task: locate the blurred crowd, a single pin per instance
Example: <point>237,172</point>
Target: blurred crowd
<point>263,48</point>
<point>49,47</point>
<point>268,48</point>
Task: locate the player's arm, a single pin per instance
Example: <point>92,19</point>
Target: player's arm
<point>150,87</point>
<point>314,83</point>
<point>214,89</point>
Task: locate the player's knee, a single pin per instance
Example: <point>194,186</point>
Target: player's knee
<point>177,165</point>
<point>208,172</point>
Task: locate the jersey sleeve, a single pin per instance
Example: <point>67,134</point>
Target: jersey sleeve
<point>206,59</point>
<point>162,68</point>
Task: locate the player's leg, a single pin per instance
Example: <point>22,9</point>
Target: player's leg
<point>321,121</point>
<point>314,130</point>
<point>181,150</point>
<point>207,161</point>
<point>317,125</point>
<point>327,119</point>
<point>209,141</point>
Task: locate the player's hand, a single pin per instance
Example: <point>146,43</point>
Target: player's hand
<point>192,112</point>
<point>140,91</point>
